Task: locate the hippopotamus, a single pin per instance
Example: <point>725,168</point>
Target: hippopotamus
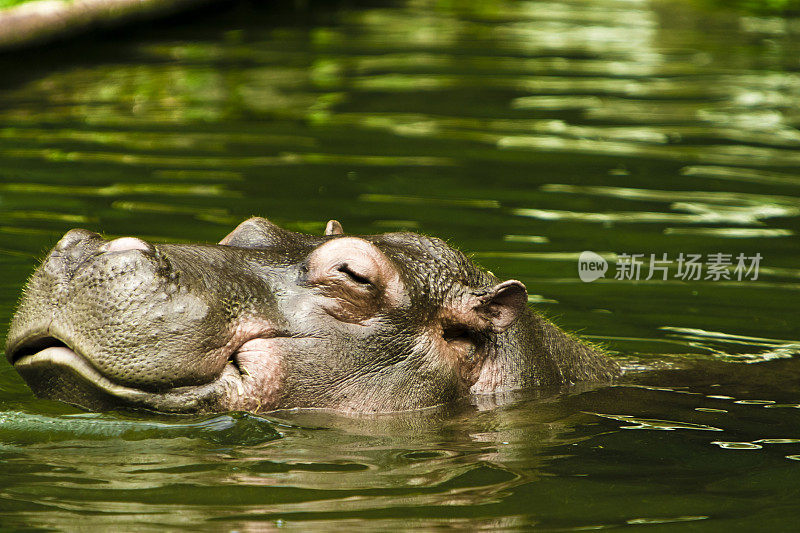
<point>271,319</point>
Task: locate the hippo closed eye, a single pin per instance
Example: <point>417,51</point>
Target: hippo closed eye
<point>270,319</point>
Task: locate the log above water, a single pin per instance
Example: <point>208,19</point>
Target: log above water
<point>44,20</point>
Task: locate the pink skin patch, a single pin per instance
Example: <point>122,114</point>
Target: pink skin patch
<point>124,244</point>
<point>259,362</point>
<point>490,379</point>
<point>255,349</point>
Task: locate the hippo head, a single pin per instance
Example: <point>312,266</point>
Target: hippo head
<point>270,319</point>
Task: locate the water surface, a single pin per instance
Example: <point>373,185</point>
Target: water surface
<point>522,132</point>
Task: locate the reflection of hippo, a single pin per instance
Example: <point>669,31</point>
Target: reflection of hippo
<point>274,319</point>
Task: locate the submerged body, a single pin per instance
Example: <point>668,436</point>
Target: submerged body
<point>272,319</point>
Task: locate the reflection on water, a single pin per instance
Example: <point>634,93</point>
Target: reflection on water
<point>662,425</point>
<point>524,132</point>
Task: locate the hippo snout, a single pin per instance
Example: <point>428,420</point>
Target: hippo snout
<point>104,307</point>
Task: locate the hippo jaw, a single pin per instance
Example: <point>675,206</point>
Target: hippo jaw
<point>59,373</point>
<point>55,371</point>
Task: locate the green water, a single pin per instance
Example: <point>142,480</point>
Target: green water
<point>522,132</point>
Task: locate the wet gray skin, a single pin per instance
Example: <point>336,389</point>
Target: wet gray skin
<point>272,319</point>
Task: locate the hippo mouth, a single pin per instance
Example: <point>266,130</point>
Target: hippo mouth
<point>56,371</point>
<point>49,353</point>
<point>34,346</point>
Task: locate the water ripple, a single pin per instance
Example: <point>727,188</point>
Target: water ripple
<point>654,424</point>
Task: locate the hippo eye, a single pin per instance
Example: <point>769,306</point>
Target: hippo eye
<point>358,278</point>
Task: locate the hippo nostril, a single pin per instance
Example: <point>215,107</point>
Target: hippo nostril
<point>123,244</point>
<point>71,251</point>
<point>73,237</point>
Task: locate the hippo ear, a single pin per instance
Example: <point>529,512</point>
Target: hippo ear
<point>499,307</point>
<point>334,228</point>
<point>257,232</point>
